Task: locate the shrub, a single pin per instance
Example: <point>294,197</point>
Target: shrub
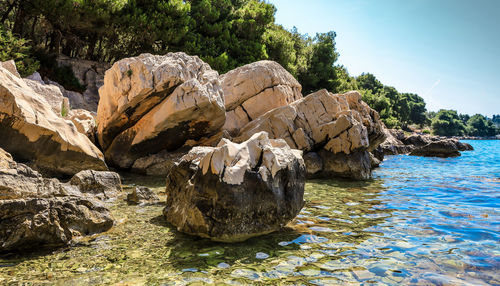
<point>18,50</point>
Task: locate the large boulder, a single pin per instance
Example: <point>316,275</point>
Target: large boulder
<point>236,191</point>
<point>340,128</point>
<point>254,89</point>
<point>31,131</point>
<point>441,148</point>
<point>39,211</point>
<point>152,103</point>
<point>52,94</point>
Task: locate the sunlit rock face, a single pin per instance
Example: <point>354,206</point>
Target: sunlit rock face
<point>33,132</point>
<point>39,211</point>
<point>236,191</point>
<point>340,128</point>
<point>254,89</point>
<point>153,103</point>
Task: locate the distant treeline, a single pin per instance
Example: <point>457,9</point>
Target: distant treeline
<point>224,33</point>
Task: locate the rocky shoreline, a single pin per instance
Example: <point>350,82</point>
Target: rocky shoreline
<point>235,149</point>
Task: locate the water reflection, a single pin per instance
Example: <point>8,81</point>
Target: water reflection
<point>396,229</point>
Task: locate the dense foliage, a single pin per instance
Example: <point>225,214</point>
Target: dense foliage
<point>224,33</point>
<point>17,49</point>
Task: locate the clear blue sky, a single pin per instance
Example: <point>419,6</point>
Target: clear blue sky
<point>447,51</point>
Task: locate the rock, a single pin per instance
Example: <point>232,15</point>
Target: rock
<point>85,122</point>
<point>314,163</point>
<point>31,131</point>
<point>392,145</point>
<point>39,211</point>
<point>142,195</point>
<point>52,94</point>
<point>235,191</point>
<point>158,164</point>
<point>90,74</point>
<point>36,77</point>
<point>103,185</point>
<point>399,143</point>
<point>254,89</point>
<point>442,148</point>
<point>336,127</point>
<point>153,103</point>
<point>417,140</point>
<point>10,65</point>
<point>76,99</point>
<point>374,160</point>
<point>461,146</point>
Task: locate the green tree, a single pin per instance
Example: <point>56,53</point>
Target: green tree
<point>479,125</point>
<point>447,123</point>
<point>320,72</point>
<point>344,81</point>
<point>17,49</point>
<point>370,82</point>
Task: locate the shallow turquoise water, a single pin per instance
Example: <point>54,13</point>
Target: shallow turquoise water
<point>420,221</point>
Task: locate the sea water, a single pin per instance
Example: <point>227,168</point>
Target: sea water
<point>420,221</point>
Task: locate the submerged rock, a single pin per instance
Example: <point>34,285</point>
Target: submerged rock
<point>442,148</point>
<point>31,131</point>
<point>340,128</point>
<point>254,89</point>
<point>236,191</point>
<point>142,195</point>
<point>153,103</point>
<point>39,211</point>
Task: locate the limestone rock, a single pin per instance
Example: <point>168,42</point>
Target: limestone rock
<point>339,128</point>
<point>39,211</point>
<point>442,148</point>
<point>158,164</point>
<point>399,143</point>
<point>142,195</point>
<point>36,77</point>
<point>85,122</point>
<point>314,164</point>
<point>52,94</point>
<point>153,103</point>
<point>103,185</point>
<point>31,131</point>
<point>90,74</point>
<point>392,145</point>
<point>236,191</point>
<point>10,65</point>
<point>254,89</point>
<point>76,99</point>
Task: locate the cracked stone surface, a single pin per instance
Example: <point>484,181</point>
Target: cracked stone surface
<point>340,128</point>
<point>254,89</point>
<point>153,103</point>
<point>236,191</point>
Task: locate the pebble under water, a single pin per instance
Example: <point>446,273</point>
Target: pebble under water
<point>420,221</point>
